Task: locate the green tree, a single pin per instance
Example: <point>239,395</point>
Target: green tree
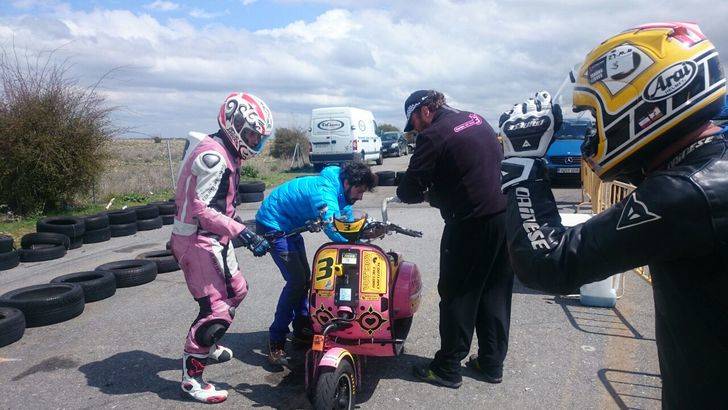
<point>382,128</point>
<point>53,134</point>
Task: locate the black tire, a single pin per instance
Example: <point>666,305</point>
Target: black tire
<point>380,160</point>
<point>41,252</point>
<point>145,211</point>
<point>335,389</point>
<point>251,186</point>
<point>44,305</point>
<point>12,325</point>
<point>165,207</point>
<point>67,225</point>
<point>149,224</point>
<point>386,179</point>
<point>385,174</point>
<point>6,243</point>
<point>96,222</point>
<point>250,197</point>
<point>125,216</point>
<point>97,235</point>
<point>165,260</point>
<point>133,272</point>
<point>76,242</point>
<point>9,260</point>
<point>123,229</point>
<point>167,219</point>
<point>96,285</point>
<point>44,238</point>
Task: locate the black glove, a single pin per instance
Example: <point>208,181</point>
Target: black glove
<point>256,243</point>
<point>527,130</point>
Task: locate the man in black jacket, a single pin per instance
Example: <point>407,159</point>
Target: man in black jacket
<point>456,167</point>
<point>652,90</point>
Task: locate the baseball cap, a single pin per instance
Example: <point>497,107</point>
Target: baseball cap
<point>412,103</point>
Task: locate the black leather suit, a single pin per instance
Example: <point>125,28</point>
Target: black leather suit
<point>676,222</point>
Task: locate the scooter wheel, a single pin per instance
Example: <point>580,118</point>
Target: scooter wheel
<point>335,389</point>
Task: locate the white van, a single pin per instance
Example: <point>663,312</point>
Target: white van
<point>340,134</point>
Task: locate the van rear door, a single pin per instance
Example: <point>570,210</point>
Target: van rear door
<point>331,134</point>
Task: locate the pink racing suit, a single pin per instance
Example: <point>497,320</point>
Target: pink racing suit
<point>202,239</point>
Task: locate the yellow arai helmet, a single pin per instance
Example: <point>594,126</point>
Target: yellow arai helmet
<point>646,88</point>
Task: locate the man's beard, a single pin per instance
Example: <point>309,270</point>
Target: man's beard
<point>347,196</point>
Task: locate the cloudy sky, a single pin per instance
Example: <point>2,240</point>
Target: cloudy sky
<point>171,62</point>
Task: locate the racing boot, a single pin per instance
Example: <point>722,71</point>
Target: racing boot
<point>219,354</point>
<point>277,353</point>
<point>192,383</point>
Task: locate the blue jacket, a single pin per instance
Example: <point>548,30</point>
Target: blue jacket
<point>293,203</point>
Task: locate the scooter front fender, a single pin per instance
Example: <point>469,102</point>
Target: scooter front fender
<point>333,357</point>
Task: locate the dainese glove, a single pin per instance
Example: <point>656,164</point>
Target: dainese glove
<point>254,242</point>
<point>527,130</point>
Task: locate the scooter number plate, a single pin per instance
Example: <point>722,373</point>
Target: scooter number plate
<point>318,343</point>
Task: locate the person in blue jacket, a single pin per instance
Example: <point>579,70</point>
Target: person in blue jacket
<point>293,205</point>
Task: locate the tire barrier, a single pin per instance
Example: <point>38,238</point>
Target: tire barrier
<point>144,212</point>
<point>12,325</point>
<point>247,197</point>
<point>167,210</point>
<point>9,260</point>
<point>95,222</point>
<point>149,224</point>
<point>123,229</point>
<point>132,272</point>
<point>43,246</point>
<point>385,178</point>
<point>96,285</point>
<point>97,235</point>
<point>6,243</point>
<point>44,305</point>
<point>165,260</point>
<point>167,219</point>
<point>124,216</point>
<point>70,226</point>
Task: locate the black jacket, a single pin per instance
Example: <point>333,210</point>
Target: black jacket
<point>457,158</point>
<point>676,222</point>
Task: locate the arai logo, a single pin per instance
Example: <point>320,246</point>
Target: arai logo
<point>330,125</point>
<point>671,81</point>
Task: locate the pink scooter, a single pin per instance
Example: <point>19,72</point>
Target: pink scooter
<point>362,301</point>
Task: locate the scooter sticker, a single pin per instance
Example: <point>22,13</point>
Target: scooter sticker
<point>374,273</point>
<point>324,275</point>
<point>322,316</point>
<point>371,320</point>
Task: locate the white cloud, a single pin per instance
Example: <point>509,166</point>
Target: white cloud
<point>248,2</point>
<point>204,14</point>
<point>161,5</point>
<point>484,55</point>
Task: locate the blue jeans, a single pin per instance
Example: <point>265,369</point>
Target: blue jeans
<point>289,254</point>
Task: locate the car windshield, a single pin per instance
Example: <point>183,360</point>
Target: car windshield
<point>389,136</point>
<point>572,131</point>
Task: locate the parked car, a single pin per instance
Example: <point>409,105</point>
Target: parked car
<point>394,144</point>
<point>340,134</point>
<point>563,157</point>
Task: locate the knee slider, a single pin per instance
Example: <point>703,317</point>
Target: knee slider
<point>209,333</point>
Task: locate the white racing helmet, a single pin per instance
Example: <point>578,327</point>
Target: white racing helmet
<point>247,123</point>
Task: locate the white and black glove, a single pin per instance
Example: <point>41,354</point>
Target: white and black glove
<point>527,130</point>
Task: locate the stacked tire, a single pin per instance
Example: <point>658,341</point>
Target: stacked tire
<point>386,178</point>
<point>44,305</point>
<point>9,256</point>
<point>167,210</point>
<point>251,191</point>
<point>165,260</point>
<point>43,246</point>
<point>130,273</point>
<point>96,285</point>
<point>71,226</point>
<point>97,228</point>
<point>122,223</point>
<point>12,325</point>
<point>147,217</point>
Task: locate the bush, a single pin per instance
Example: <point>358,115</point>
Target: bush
<point>285,142</point>
<point>53,134</point>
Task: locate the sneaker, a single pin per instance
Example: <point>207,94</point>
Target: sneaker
<point>424,373</point>
<point>277,353</point>
<point>494,377</point>
<point>194,386</point>
<point>219,354</point>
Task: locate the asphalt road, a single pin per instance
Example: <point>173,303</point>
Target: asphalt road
<point>124,352</point>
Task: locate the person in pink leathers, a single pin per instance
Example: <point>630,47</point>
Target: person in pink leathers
<point>203,230</point>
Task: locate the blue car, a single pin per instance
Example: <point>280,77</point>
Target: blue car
<point>563,157</point>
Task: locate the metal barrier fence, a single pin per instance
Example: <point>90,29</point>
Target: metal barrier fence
<point>601,196</point>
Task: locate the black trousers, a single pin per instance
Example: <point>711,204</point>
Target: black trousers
<point>475,286</point>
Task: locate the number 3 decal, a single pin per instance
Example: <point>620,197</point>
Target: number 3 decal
<point>327,269</point>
